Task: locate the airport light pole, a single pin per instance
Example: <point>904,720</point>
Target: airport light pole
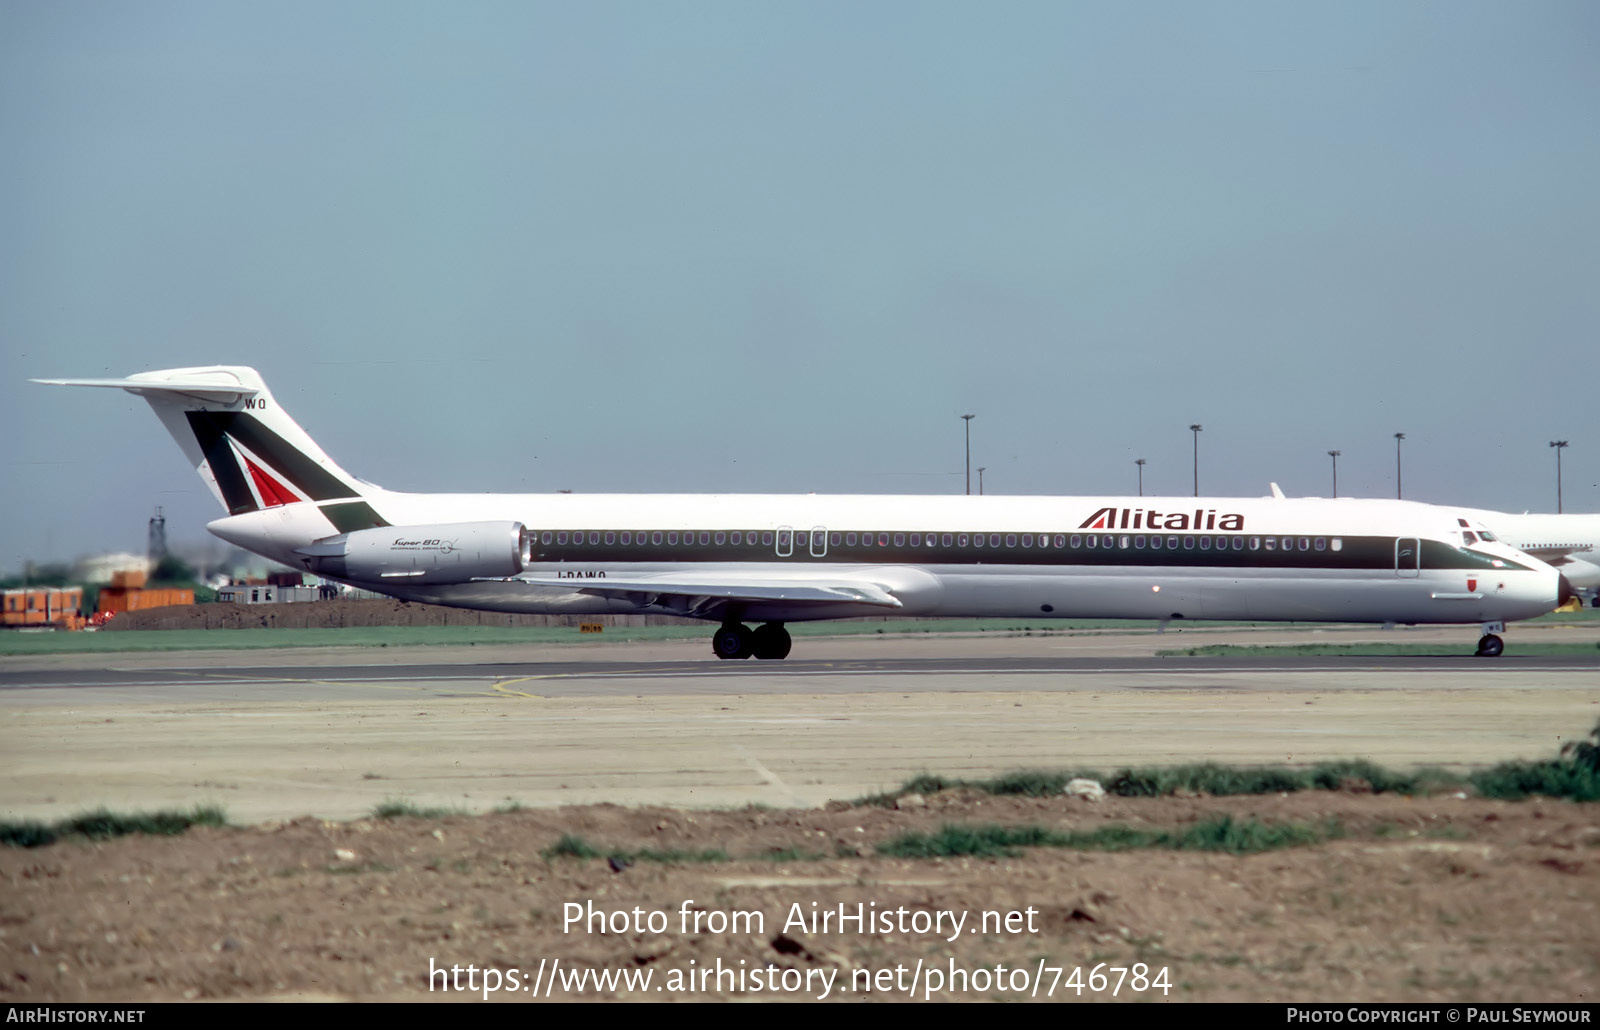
<point>968,419</point>
<point>1558,445</point>
<point>1195,429</point>
<point>1140,462</point>
<point>980,479</point>
<point>1397,438</point>
<point>1335,456</point>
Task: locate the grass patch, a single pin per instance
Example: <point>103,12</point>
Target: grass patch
<point>112,640</point>
<point>1574,774</point>
<point>1369,650</point>
<point>1225,834</point>
<point>794,855</point>
<point>572,846</point>
<point>102,824</point>
<point>396,808</point>
<point>1201,778</point>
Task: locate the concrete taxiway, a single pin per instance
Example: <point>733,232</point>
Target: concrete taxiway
<point>334,732</point>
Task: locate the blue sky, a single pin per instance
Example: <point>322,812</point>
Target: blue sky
<point>782,247</point>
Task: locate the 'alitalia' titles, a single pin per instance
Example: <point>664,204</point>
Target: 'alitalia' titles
<point>1149,518</point>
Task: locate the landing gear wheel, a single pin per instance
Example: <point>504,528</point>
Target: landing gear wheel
<point>733,640</point>
<point>1490,646</point>
<point>772,641</point>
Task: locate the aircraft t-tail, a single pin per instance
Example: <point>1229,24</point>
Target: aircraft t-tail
<point>736,559</point>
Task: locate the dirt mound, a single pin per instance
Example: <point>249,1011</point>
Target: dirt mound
<point>1401,900</point>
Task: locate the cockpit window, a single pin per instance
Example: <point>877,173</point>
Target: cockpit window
<point>1490,537</point>
<point>1469,536</point>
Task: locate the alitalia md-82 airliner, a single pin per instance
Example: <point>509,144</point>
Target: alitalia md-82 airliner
<point>736,559</point>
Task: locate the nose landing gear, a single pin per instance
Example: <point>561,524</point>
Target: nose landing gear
<point>1490,645</point>
<point>736,640</point>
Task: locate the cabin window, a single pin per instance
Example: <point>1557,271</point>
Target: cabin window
<point>1322,544</point>
<point>655,538</point>
<point>736,538</point>
<point>1027,540</point>
<point>1077,541</point>
<point>1188,543</point>
<point>766,538</point>
<point>962,540</point>
<point>916,539</point>
<point>721,538</point>
<point>561,538</point>
<point>627,538</point>
<point>1123,543</point>
<point>1093,542</point>
<point>883,539</point>
<point>611,538</point>
<point>1138,543</point>
<point>1205,543</point>
<point>1255,543</point>
<point>1305,543</point>
<point>545,537</point>
<point>1011,539</point>
<point>1288,543</point>
<point>1272,543</point>
<point>672,538</point>
<point>946,540</point>
<point>977,540</point>
<point>783,539</point>
<point>994,539</point>
<point>1061,541</point>
<point>1337,544</point>
<point>850,539</point>
<point>899,539</point>
<point>1172,542</point>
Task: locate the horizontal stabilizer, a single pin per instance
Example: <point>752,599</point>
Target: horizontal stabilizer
<point>202,385</point>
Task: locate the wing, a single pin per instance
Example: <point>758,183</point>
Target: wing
<point>701,593</point>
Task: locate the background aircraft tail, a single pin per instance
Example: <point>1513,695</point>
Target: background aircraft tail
<point>247,449</point>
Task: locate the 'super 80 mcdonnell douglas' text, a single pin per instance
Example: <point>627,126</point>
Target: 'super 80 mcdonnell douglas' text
<point>742,559</point>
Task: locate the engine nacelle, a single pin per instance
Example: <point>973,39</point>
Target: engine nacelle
<point>456,552</point>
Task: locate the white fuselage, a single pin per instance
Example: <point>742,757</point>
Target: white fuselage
<point>1038,557</point>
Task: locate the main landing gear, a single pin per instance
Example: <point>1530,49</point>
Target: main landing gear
<point>1490,645</point>
<point>736,640</point>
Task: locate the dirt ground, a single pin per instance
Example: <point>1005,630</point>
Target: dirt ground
<point>1429,899</point>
